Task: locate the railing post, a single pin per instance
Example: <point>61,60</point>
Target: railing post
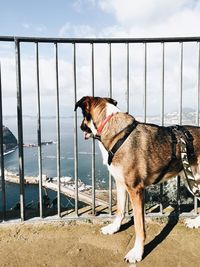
<point>198,110</point>
<point>93,142</point>
<point>39,132</point>
<point>162,114</point>
<point>20,128</point>
<point>75,133</point>
<point>2,154</point>
<point>181,86</point>
<point>127,78</point>
<point>110,94</point>
<point>145,82</point>
<point>58,130</point>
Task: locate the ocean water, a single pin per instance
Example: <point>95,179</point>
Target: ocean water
<point>49,158</point>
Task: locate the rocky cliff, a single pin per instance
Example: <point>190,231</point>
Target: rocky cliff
<point>9,140</point>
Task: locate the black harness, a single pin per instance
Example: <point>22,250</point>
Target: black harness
<point>128,130</point>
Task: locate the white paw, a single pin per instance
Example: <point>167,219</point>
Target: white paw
<point>134,255</point>
<point>110,229</point>
<point>193,223</point>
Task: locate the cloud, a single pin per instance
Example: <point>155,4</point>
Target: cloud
<point>149,18</point>
<point>132,19</point>
<point>144,12</point>
<point>26,25</point>
<point>144,18</point>
<point>80,5</point>
<point>40,28</point>
<point>69,30</point>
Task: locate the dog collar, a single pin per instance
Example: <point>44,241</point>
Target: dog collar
<point>102,125</point>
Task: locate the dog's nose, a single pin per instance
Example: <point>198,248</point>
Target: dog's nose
<point>85,128</point>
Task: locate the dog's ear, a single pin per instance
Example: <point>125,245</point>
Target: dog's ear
<point>111,101</point>
<point>83,103</point>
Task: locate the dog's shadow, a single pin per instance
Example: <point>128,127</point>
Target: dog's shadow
<point>172,221</point>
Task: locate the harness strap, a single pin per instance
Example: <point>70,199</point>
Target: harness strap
<point>187,149</point>
<point>119,143</point>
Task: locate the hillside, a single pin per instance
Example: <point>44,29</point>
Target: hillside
<point>9,140</point>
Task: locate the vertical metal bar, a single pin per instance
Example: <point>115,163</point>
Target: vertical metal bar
<point>181,86</point>
<point>110,93</point>
<point>128,206</point>
<point>198,87</point>
<point>163,86</point>
<point>75,134</point>
<point>39,131</point>
<point>180,120</point>
<point>58,130</point>
<point>162,113</point>
<point>93,142</point>
<point>128,79</point>
<point>20,128</point>
<point>2,156</point>
<point>145,82</point>
<point>198,111</point>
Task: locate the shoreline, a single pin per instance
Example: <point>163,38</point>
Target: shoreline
<point>67,187</point>
<point>14,178</point>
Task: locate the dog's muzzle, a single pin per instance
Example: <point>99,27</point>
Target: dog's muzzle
<point>86,130</point>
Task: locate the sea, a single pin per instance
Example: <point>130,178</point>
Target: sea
<point>49,157</point>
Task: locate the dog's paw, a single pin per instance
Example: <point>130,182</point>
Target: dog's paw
<point>193,223</point>
<point>133,256</point>
<point>110,229</point>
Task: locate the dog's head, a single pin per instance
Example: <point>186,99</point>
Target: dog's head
<point>94,110</point>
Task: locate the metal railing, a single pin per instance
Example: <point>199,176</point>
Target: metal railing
<point>91,41</point>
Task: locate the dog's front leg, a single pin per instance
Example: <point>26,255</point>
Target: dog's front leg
<point>121,203</point>
<point>136,197</point>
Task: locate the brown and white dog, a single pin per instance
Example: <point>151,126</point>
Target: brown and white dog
<point>144,158</point>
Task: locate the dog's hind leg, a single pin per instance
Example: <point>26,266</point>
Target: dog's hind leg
<point>121,203</point>
<point>136,197</point>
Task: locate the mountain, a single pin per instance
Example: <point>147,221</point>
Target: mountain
<point>9,140</point>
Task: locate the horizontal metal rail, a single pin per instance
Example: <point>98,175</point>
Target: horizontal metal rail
<point>17,40</point>
<point>99,40</point>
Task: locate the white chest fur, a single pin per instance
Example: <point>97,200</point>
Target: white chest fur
<point>116,171</point>
<point>104,153</point>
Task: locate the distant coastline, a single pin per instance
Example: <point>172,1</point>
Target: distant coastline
<point>67,186</point>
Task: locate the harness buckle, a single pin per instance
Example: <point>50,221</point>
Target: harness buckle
<point>188,136</point>
<point>97,136</point>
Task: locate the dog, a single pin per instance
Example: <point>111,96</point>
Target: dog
<point>137,155</point>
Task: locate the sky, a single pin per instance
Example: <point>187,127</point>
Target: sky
<point>100,18</point>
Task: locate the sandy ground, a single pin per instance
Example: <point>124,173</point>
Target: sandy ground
<point>81,244</point>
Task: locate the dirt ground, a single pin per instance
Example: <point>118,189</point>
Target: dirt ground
<point>69,244</point>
